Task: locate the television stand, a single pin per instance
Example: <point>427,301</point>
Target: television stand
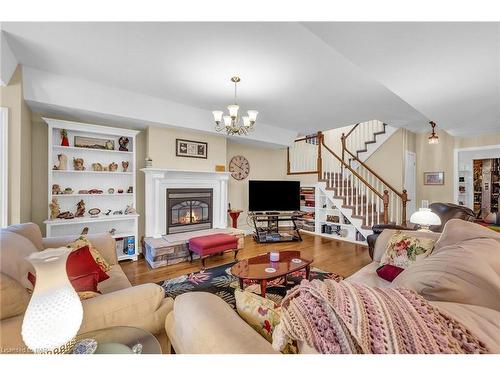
<point>270,231</point>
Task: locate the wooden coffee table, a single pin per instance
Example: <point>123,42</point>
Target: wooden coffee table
<point>255,268</point>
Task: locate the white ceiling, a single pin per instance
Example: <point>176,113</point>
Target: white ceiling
<point>450,72</point>
<point>303,77</point>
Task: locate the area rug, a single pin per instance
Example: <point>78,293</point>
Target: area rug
<point>221,282</point>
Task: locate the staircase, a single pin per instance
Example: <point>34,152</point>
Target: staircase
<point>360,194</point>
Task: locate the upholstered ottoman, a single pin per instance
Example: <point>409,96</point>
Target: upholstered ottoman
<point>205,246</point>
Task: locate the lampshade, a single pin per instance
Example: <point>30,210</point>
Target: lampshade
<point>246,121</point>
<point>233,110</point>
<point>252,115</point>
<point>227,121</point>
<point>425,217</point>
<point>54,313</point>
<point>217,115</point>
<point>433,139</point>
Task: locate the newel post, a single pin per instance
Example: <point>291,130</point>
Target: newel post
<point>342,140</point>
<point>386,206</point>
<point>288,160</point>
<point>320,161</point>
<point>404,198</point>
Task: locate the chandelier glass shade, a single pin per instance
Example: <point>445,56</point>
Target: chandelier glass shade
<point>433,138</point>
<point>232,123</point>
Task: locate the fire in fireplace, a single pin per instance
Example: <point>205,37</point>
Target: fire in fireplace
<point>188,210</point>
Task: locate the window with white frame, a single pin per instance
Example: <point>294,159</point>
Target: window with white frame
<point>4,120</point>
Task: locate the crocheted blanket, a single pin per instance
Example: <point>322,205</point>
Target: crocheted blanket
<point>345,318</point>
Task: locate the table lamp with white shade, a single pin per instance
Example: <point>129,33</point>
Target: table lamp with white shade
<point>425,218</point>
<point>54,313</point>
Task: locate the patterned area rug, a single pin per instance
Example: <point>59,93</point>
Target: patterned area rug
<point>221,282</point>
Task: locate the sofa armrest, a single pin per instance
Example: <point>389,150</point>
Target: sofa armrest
<point>103,242</point>
<point>143,306</point>
<point>202,323</point>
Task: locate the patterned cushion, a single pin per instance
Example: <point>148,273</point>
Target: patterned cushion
<point>82,241</point>
<point>260,313</point>
<point>403,249</point>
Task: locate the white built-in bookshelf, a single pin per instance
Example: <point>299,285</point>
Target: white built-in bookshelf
<point>81,181</point>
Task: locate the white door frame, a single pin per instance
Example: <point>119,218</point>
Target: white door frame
<point>410,187</point>
<point>4,166</point>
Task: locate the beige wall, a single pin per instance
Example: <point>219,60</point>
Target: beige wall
<point>484,140</point>
<point>11,96</point>
<point>160,146</point>
<point>265,164</point>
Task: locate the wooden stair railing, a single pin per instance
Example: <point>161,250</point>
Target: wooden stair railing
<point>357,193</point>
<point>379,181</point>
<point>313,140</point>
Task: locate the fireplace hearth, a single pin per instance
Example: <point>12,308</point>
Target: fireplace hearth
<point>189,210</point>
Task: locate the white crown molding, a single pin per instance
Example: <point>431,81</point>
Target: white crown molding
<point>51,91</point>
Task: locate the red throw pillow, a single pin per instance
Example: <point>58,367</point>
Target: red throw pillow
<point>80,262</point>
<point>389,272</point>
<point>82,283</point>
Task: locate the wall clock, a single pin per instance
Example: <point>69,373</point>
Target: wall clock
<point>239,167</point>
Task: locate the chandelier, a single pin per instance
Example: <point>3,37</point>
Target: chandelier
<point>433,138</point>
<point>232,124</point>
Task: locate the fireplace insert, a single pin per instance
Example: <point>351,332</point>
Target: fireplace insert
<point>189,210</point>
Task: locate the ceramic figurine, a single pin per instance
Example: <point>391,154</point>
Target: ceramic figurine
<point>54,208</point>
<point>125,166</point>
<point>112,231</point>
<point>120,191</point>
<point>149,163</point>
<point>68,190</point>
<point>107,213</point>
<point>97,167</point>
<point>83,191</point>
<point>113,167</point>
<point>111,191</point>
<point>56,189</point>
<point>119,212</point>
<point>63,163</point>
<point>78,164</point>
<point>130,190</point>
<point>64,138</point>
<point>80,209</point>
<point>66,215</point>
<point>123,142</point>
<point>85,231</point>
<point>130,210</point>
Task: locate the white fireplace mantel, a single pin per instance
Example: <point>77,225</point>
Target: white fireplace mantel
<point>159,180</point>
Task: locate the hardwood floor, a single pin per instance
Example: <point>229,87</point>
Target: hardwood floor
<point>331,255</point>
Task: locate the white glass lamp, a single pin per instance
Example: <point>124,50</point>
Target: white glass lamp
<point>252,115</point>
<point>425,218</point>
<point>227,121</point>
<point>54,313</point>
<point>233,110</point>
<point>246,121</point>
<point>217,116</point>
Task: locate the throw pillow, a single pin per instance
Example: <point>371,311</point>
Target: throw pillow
<point>403,249</point>
<point>98,258</point>
<point>389,272</point>
<point>14,297</point>
<point>81,262</point>
<point>260,313</point>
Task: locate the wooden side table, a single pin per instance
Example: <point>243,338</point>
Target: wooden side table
<point>234,216</point>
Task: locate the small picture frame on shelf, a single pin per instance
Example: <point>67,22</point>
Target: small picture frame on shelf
<point>433,178</point>
<point>191,149</point>
<point>95,143</point>
<point>461,179</point>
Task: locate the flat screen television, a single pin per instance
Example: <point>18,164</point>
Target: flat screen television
<point>273,195</point>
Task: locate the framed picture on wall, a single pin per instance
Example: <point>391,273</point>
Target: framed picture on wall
<point>191,149</point>
<point>433,178</point>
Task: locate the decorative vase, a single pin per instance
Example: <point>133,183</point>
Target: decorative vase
<point>64,138</point>
<point>54,313</point>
